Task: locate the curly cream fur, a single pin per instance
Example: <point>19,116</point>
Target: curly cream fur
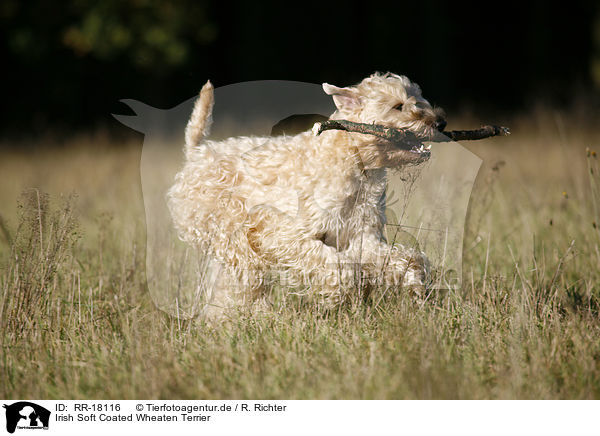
<point>231,199</point>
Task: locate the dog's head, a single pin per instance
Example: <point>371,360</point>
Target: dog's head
<point>390,100</point>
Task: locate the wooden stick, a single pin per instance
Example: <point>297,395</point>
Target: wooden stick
<point>471,135</point>
<point>407,137</point>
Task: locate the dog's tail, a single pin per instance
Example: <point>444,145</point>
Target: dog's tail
<point>201,118</point>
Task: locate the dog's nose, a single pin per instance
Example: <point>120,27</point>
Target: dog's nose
<point>440,125</point>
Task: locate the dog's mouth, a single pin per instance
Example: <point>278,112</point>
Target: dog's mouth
<point>421,149</point>
<point>420,152</point>
<point>414,145</point>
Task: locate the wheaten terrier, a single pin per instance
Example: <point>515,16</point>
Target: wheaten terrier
<point>232,199</point>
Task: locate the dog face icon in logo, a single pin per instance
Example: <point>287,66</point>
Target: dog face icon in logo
<point>26,415</point>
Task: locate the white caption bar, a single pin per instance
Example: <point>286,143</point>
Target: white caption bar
<point>22,417</point>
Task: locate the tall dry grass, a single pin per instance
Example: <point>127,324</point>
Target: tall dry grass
<point>77,321</point>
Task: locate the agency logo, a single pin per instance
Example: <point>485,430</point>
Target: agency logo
<point>425,206</point>
<point>26,415</point>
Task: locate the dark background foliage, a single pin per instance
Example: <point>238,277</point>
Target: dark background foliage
<point>66,64</point>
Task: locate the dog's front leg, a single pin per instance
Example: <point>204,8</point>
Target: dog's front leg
<point>283,244</point>
<point>389,265</point>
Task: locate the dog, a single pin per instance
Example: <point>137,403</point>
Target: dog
<point>231,199</point>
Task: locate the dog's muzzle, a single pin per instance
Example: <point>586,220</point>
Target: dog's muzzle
<point>440,125</point>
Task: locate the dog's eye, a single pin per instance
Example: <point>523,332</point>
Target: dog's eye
<point>398,106</point>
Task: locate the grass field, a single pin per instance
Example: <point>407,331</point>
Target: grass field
<point>77,320</point>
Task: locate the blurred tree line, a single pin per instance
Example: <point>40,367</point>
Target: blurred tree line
<point>66,64</point>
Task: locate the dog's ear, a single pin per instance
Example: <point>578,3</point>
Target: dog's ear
<point>344,98</point>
